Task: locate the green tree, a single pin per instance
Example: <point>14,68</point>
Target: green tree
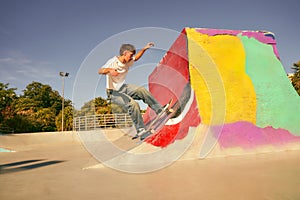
<point>24,106</point>
<point>102,106</point>
<point>68,119</point>
<point>296,76</point>
<point>22,119</point>
<point>48,105</point>
<point>44,96</point>
<point>35,110</point>
<point>20,123</point>
<point>87,109</point>
<point>44,119</point>
<point>7,96</point>
<point>98,105</point>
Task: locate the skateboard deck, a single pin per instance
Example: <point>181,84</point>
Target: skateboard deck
<point>154,122</point>
<point>158,122</point>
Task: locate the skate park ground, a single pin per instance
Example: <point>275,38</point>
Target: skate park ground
<point>56,166</point>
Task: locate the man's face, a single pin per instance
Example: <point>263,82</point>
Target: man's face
<point>128,55</point>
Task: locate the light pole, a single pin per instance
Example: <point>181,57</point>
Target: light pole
<point>63,75</point>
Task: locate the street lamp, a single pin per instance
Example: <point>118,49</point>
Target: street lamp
<point>63,75</point>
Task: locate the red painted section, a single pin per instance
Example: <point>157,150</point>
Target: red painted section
<point>169,133</point>
<point>171,75</point>
<point>168,81</point>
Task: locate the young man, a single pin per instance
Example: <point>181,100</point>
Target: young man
<point>124,94</point>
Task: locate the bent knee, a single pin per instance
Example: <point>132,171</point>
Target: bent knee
<point>134,104</point>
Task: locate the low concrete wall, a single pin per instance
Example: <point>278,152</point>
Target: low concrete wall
<point>25,141</point>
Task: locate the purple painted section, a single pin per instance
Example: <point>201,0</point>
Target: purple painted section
<point>212,32</point>
<point>261,36</point>
<point>248,136</point>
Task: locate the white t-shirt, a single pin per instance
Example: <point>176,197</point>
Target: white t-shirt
<point>115,82</point>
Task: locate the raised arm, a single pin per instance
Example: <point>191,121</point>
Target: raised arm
<point>141,52</point>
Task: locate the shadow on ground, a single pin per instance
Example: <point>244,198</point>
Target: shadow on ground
<point>26,165</point>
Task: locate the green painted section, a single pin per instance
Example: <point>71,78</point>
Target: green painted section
<point>278,104</point>
<point>4,150</point>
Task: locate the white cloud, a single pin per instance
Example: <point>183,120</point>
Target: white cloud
<point>19,70</point>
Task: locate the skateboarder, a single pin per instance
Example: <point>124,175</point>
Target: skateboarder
<point>123,94</point>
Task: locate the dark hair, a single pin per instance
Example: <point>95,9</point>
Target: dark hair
<point>127,47</point>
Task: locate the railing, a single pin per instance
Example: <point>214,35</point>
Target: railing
<point>93,122</point>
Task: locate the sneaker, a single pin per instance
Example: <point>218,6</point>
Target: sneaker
<point>145,135</point>
<point>141,132</point>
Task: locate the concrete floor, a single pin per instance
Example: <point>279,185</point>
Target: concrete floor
<point>54,166</point>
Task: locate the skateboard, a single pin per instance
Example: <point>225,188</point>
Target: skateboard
<point>158,121</point>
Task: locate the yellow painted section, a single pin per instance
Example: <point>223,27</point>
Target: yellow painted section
<point>224,91</point>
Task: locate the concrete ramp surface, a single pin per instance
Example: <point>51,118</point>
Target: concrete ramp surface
<point>231,96</point>
<point>233,88</point>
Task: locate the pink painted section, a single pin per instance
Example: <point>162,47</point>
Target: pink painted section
<point>249,136</point>
<point>258,35</point>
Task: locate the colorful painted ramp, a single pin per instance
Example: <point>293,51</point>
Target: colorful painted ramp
<point>231,82</point>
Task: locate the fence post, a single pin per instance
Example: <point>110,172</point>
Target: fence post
<point>78,124</point>
<point>85,122</point>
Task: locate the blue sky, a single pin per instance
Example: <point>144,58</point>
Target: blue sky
<point>39,38</point>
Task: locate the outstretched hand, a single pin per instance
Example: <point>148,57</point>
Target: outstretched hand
<point>149,45</point>
<point>142,51</point>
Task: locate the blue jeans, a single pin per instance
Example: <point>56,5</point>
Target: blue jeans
<point>125,98</point>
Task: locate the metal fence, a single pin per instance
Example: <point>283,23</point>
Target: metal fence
<point>92,122</point>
